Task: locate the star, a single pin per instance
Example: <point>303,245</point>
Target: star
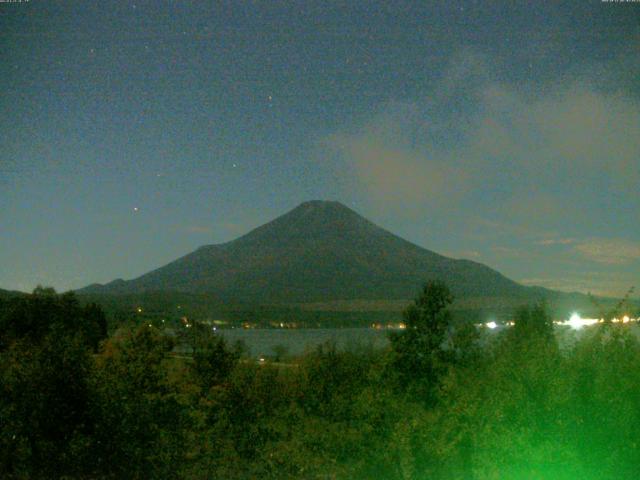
<point>135,209</point>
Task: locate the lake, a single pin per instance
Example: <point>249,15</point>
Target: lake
<point>296,341</point>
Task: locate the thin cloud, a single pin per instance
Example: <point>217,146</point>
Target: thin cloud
<point>555,241</point>
<point>199,229</point>
<point>597,283</point>
<point>609,251</point>
<point>535,156</point>
<point>541,164</point>
<point>462,254</point>
<point>398,173</point>
<point>507,251</point>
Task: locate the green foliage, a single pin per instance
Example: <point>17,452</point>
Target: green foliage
<point>506,404</point>
<point>420,355</point>
<point>65,413</point>
<point>331,379</point>
<point>605,381</point>
<point>280,353</point>
<point>140,423</point>
<point>213,360</point>
<point>33,317</point>
<point>615,311</point>
<point>517,402</point>
<point>532,324</point>
<point>44,407</point>
<point>524,410</point>
<point>45,370</point>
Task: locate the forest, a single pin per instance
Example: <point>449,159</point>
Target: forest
<point>445,400</point>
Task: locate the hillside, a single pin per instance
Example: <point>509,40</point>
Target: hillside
<point>6,294</point>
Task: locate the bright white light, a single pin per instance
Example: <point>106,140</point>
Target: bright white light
<point>575,321</point>
<point>492,325</point>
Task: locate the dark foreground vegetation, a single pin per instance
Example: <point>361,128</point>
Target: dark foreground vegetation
<point>445,401</point>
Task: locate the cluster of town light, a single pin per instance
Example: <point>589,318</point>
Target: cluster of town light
<point>575,321</point>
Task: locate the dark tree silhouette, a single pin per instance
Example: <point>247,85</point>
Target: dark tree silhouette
<point>420,356</point>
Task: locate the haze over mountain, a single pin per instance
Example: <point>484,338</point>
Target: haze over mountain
<point>319,251</point>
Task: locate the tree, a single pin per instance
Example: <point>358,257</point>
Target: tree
<point>419,352</point>
<point>533,324</point>
<point>140,424</point>
<point>45,366</point>
<point>33,317</point>
<point>213,360</point>
<point>616,311</point>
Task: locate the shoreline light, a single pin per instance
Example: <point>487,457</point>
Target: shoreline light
<point>576,322</point>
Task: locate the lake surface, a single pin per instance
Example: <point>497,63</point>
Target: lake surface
<point>296,341</point>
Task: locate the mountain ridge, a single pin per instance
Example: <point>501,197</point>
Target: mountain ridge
<point>318,251</point>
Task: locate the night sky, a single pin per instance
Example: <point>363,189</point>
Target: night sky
<point>133,132</point>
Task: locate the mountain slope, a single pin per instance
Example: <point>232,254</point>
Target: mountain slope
<point>6,294</point>
<point>319,251</point>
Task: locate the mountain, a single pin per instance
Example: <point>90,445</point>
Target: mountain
<point>6,294</point>
<point>318,252</point>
